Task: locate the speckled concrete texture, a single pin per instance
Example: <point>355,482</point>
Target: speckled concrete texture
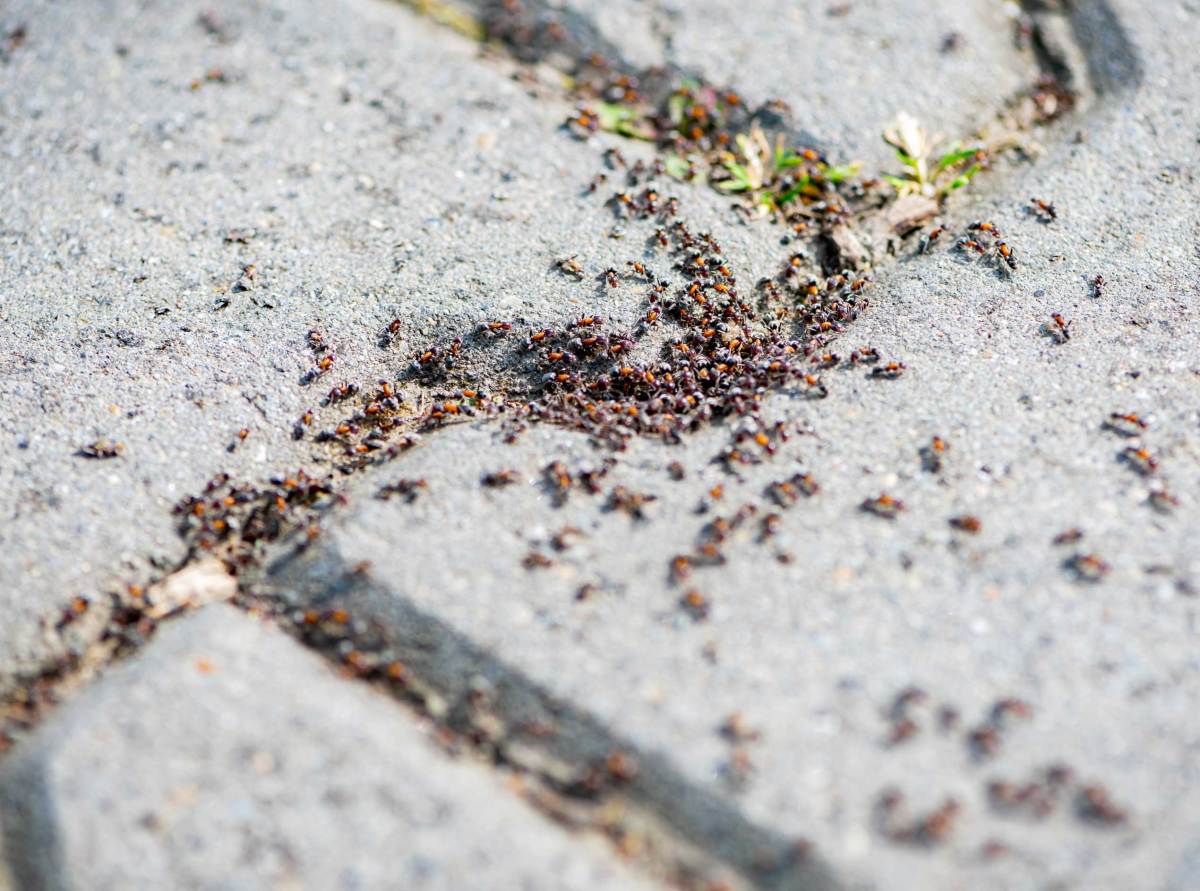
<point>926,704</point>
<point>228,756</point>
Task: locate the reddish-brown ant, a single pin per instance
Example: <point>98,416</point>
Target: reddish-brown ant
<point>1125,424</point>
<point>1044,210</point>
<point>890,371</point>
<point>1139,460</point>
<point>1087,567</point>
<point>500,478</point>
<point>570,266</point>
<point>883,506</point>
<point>929,238</point>
<point>1070,536</point>
<point>1058,328</point>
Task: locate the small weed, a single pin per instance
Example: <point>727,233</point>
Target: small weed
<point>926,171</point>
<point>624,121</point>
<point>775,175</point>
<point>708,135</point>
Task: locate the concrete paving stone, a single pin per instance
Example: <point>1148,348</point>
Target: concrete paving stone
<point>150,153</point>
<point>815,652</point>
<point>844,69</point>
<point>227,756</point>
<point>6,880</point>
<point>369,165</point>
<point>386,171</point>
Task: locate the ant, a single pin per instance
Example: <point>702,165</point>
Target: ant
<point>1095,806</point>
<point>1058,328</point>
<point>500,478</point>
<point>78,606</point>
<point>629,502</point>
<point>1087,567</point>
<point>1043,210</point>
<point>929,238</point>
<point>931,828</point>
<point>787,492</point>
<point>866,355</point>
<point>406,489</point>
<point>390,332</point>
<point>536,560</point>
<point>1069,536</point>
<point>1008,258</point>
<point>981,226</point>
<point>1140,460</point>
<point>1129,425</point>
<point>890,371</point>
<point>343,392</point>
<point>931,454</point>
<point>101,448</point>
<point>583,123</point>
<point>614,159</point>
<point>884,506</point>
<point>695,605</point>
<point>1163,501</point>
<point>570,266</point>
<point>561,540</point>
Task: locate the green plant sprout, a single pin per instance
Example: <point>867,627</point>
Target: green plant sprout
<point>624,121</point>
<point>775,175</point>
<point>923,174</point>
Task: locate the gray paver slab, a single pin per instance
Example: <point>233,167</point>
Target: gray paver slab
<point>151,154</point>
<point>815,652</point>
<point>355,224</point>
<point>227,756</point>
<point>844,69</point>
<point>6,879</point>
<point>368,164</point>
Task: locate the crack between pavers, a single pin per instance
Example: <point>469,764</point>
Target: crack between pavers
<point>674,829</point>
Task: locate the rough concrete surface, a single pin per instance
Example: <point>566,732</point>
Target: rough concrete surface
<point>226,756</point>
<point>844,69</point>
<point>369,165</point>
<point>363,199</point>
<point>150,156</point>
<point>814,652</point>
